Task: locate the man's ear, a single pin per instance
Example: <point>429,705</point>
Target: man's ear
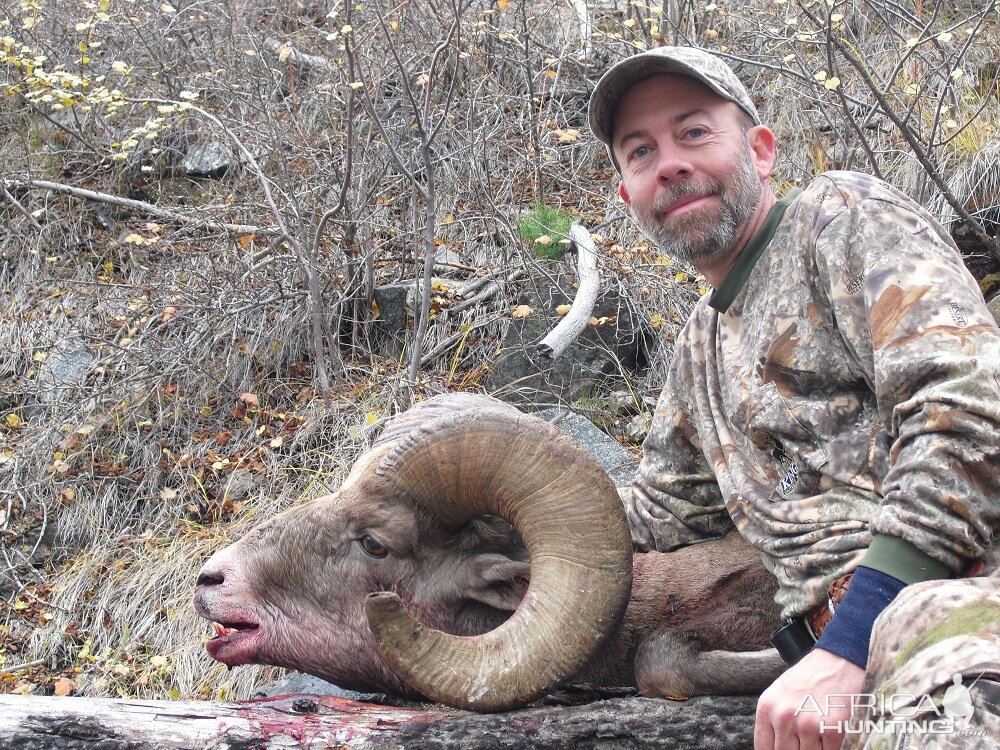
<point>495,580</point>
<point>623,192</point>
<point>762,149</point>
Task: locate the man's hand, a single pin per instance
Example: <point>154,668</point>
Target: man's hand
<point>789,713</point>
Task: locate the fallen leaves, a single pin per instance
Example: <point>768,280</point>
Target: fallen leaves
<point>522,311</point>
<point>250,399</point>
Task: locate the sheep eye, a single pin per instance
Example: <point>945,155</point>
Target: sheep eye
<point>372,546</point>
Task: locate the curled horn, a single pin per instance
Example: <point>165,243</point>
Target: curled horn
<point>571,520</point>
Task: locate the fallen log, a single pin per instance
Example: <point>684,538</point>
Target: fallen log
<point>294,722</point>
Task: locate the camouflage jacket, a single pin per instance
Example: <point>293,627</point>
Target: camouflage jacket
<point>843,381</point>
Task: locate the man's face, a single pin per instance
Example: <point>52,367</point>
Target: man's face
<point>688,172</point>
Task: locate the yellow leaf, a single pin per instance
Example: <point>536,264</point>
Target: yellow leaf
<point>503,4</point>
<point>563,309</point>
<point>374,308</point>
<point>168,493</point>
<point>277,442</point>
<point>284,52</point>
<point>134,239</point>
<point>250,399</point>
<point>20,605</point>
<point>14,421</point>
<point>158,661</point>
<point>521,311</point>
<point>39,356</point>
<point>245,239</point>
<point>832,82</point>
<point>422,79</point>
<point>543,240</point>
<point>63,686</point>
<point>371,418</point>
<point>657,322</point>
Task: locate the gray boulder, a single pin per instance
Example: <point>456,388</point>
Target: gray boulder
<point>594,361</point>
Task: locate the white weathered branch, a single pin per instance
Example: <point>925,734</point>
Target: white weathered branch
<point>575,321</point>
<point>141,206</point>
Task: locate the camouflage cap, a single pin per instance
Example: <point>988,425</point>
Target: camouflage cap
<point>689,61</point>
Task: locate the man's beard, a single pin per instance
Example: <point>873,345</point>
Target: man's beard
<point>702,235</point>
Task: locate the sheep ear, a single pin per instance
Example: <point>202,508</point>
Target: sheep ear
<point>495,580</point>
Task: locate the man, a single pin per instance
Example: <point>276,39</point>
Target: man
<point>836,398</point>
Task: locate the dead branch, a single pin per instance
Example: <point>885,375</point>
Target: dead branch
<point>575,321</point>
<point>493,287</point>
<point>142,206</point>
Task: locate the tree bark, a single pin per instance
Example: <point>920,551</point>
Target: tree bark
<point>294,722</point>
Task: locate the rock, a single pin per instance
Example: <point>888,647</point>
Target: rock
<point>391,328</point>
<point>994,307</point>
<point>211,159</point>
<point>297,682</point>
<point>397,304</point>
<point>617,462</point>
<point>638,427</point>
<point>67,366</point>
<point>596,358</point>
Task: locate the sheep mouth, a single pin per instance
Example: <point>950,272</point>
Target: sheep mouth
<point>231,644</point>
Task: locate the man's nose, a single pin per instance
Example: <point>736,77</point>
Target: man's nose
<point>672,164</point>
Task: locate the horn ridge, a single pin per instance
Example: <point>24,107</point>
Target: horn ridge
<point>568,513</point>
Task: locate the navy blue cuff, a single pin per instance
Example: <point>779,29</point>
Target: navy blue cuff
<point>849,633</point>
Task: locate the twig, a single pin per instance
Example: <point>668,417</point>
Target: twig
<point>488,292</point>
<point>904,130</point>
<point>449,342</point>
<point>148,208</point>
<point>575,321</point>
<point>21,667</point>
<point>14,202</point>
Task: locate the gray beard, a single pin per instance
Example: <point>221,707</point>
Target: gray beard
<point>702,236</point>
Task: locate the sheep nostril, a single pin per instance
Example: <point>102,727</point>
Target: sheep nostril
<point>210,579</point>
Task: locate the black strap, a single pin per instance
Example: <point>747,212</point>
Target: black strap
<point>793,640</point>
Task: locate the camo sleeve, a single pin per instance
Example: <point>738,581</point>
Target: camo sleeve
<point>914,318</point>
<point>675,499</point>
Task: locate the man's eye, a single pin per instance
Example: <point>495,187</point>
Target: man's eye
<point>696,133</point>
<point>639,152</point>
<point>372,546</point>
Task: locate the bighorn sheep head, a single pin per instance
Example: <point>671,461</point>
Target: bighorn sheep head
<point>384,573</point>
